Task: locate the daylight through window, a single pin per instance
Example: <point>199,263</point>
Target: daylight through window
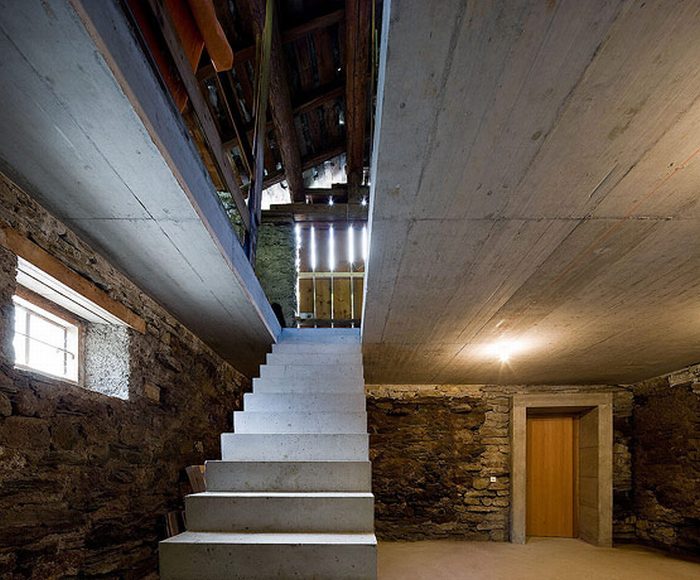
<point>45,342</point>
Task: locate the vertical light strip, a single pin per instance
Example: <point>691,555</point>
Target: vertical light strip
<point>297,268</point>
<point>331,249</point>
<point>365,245</point>
<point>312,248</point>
<point>351,246</point>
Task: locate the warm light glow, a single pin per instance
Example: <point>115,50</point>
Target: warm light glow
<point>505,349</point>
<point>312,248</point>
<point>331,249</point>
<point>351,245</point>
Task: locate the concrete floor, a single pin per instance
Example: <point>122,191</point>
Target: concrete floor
<point>541,559</point>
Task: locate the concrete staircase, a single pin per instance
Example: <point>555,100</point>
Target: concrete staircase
<point>291,497</point>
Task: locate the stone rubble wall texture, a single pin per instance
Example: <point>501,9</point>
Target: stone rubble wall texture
<point>667,461</point>
<point>434,448</point>
<point>275,265</point>
<point>85,478</point>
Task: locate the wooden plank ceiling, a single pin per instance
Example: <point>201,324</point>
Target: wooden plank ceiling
<point>309,121</point>
<point>537,186</point>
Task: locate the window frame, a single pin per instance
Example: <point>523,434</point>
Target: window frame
<point>70,320</point>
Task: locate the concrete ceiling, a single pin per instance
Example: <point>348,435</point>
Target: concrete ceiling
<point>536,180</point>
<point>87,129</point>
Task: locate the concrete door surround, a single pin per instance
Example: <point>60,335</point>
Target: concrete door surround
<point>596,412</point>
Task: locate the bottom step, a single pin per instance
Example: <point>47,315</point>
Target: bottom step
<point>214,556</point>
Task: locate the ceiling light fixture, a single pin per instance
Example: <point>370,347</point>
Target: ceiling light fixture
<point>504,349</point>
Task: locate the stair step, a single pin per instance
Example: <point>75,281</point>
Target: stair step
<point>316,373</point>
<point>218,556</point>
<point>314,359</point>
<point>289,476</point>
<point>322,512</point>
<point>294,447</point>
<point>303,348</point>
<point>259,422</point>
<point>323,335</point>
<point>337,385</point>
<point>295,402</point>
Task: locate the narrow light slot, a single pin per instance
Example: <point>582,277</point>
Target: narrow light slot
<point>365,244</point>
<point>312,248</point>
<point>331,249</point>
<point>351,245</point>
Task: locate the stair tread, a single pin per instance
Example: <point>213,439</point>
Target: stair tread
<point>288,494</point>
<point>272,538</point>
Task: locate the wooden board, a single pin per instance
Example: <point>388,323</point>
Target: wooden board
<point>342,305</point>
<point>358,289</point>
<point>323,298</point>
<point>551,476</point>
<point>306,295</point>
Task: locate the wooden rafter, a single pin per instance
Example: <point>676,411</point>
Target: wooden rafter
<point>357,51</point>
<point>307,163</point>
<point>200,107</point>
<point>281,106</point>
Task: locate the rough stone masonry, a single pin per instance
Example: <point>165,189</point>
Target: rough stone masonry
<point>86,478</point>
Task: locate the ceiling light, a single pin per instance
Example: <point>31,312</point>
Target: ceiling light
<point>363,203</point>
<point>504,349</point>
<point>330,200</point>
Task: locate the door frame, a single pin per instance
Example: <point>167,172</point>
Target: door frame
<point>599,403</point>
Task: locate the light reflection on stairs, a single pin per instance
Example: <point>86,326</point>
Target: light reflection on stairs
<point>291,497</point>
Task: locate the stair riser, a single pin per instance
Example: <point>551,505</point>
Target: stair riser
<point>310,447</point>
<point>313,373</point>
<point>246,562</point>
<point>304,402</point>
<point>314,359</point>
<point>300,348</point>
<point>282,385</point>
<point>320,335</point>
<point>249,422</point>
<point>211,513</point>
<point>289,476</point>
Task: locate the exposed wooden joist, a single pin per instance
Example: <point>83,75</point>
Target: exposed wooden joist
<point>261,97</point>
<point>357,44</point>
<point>311,103</point>
<point>308,163</point>
<point>281,106</point>
<point>200,107</point>
<point>302,212</point>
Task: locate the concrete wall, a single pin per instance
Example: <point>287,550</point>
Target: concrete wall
<point>667,461</point>
<point>85,478</point>
<point>435,447</point>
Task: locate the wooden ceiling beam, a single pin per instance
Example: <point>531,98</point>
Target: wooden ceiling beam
<point>302,212</point>
<point>307,163</point>
<point>209,129</point>
<point>358,15</point>
<point>281,106</point>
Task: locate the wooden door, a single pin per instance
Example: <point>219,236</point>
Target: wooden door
<point>552,457</point>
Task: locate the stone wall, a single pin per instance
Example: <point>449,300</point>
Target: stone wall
<point>667,461</point>
<point>86,478</point>
<point>434,449</point>
<point>276,268</point>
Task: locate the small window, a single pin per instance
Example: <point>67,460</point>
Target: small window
<point>45,341</point>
